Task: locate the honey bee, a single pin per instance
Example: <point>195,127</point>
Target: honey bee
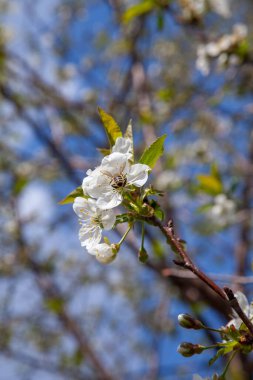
<point>119,180</point>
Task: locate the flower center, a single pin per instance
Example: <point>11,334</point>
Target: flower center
<point>119,181</point>
<point>96,220</point>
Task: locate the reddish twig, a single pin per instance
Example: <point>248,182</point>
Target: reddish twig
<point>185,261</point>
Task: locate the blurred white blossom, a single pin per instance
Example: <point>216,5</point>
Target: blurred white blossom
<point>195,9</point>
<point>168,179</point>
<point>222,49</point>
<point>223,210</point>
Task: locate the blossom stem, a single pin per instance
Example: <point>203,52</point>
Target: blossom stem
<point>125,235</point>
<point>211,329</point>
<point>142,235</point>
<point>227,365</point>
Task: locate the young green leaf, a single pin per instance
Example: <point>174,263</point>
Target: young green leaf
<point>104,151</point>
<point>78,192</point>
<point>153,153</point>
<point>219,353</point>
<point>111,127</point>
<point>210,184</point>
<point>139,9</point>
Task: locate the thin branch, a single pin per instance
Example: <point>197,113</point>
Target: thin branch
<point>185,260</point>
<point>187,263</point>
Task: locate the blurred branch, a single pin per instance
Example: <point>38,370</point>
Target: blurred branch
<point>51,292</point>
<point>54,149</point>
<point>44,365</point>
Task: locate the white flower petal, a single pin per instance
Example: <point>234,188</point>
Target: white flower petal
<point>138,174</point>
<point>123,145</point>
<point>89,236</point>
<point>108,219</point>
<point>109,200</point>
<point>243,302</point>
<point>115,163</point>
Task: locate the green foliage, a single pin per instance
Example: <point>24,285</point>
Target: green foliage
<point>210,184</point>
<point>124,218</point>
<point>78,192</point>
<point>153,152</point>
<point>104,151</point>
<point>19,184</point>
<point>55,304</point>
<point>158,212</point>
<point>111,127</point>
<point>139,9</point>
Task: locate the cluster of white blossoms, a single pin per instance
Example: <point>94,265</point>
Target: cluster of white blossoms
<point>195,9</point>
<point>223,211</point>
<point>104,189</point>
<point>222,49</point>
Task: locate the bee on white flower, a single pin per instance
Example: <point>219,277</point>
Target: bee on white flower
<point>116,175</point>
<point>93,220</point>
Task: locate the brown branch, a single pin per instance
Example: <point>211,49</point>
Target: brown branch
<point>51,291</point>
<point>185,260</point>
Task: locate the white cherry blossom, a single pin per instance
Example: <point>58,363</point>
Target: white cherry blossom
<point>93,220</point>
<point>108,182</point>
<point>123,145</point>
<point>104,253</point>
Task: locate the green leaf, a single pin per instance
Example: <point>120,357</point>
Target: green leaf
<point>160,20</point>
<point>204,208</point>
<point>78,192</point>
<point>210,184</point>
<point>136,10</point>
<point>111,127</point>
<point>157,209</point>
<point>55,305</point>
<point>104,151</point>
<point>153,153</point>
<point>219,353</point>
<point>19,184</point>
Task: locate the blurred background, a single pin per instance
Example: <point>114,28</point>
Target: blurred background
<point>180,67</point>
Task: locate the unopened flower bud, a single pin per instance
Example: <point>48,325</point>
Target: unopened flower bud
<point>188,349</point>
<point>143,255</point>
<point>188,322</point>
